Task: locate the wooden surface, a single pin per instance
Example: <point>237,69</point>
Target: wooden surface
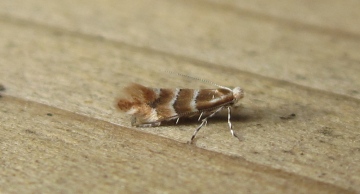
<point>63,64</point>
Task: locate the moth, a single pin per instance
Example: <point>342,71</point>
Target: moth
<point>151,106</point>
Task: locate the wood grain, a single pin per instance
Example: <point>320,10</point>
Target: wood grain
<point>63,64</point>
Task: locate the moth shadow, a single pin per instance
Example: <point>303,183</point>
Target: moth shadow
<point>220,117</point>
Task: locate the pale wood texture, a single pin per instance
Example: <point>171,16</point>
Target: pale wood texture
<point>63,64</point>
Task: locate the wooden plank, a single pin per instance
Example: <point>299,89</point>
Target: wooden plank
<point>85,75</point>
<point>331,15</point>
<point>49,150</point>
<point>75,57</point>
<point>308,54</point>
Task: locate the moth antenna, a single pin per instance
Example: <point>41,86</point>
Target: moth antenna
<point>199,79</point>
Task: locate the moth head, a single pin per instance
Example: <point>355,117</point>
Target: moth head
<point>238,93</point>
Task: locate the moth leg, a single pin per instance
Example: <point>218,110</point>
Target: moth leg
<point>230,125</point>
<point>204,122</point>
<point>200,116</point>
<point>177,120</point>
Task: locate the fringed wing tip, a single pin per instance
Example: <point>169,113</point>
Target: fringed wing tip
<point>128,96</point>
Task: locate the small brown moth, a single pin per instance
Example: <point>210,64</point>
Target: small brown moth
<point>151,106</point>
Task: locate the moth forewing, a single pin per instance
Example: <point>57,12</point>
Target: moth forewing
<point>151,106</point>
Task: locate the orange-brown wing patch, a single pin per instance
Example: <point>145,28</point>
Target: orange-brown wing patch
<point>137,103</point>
